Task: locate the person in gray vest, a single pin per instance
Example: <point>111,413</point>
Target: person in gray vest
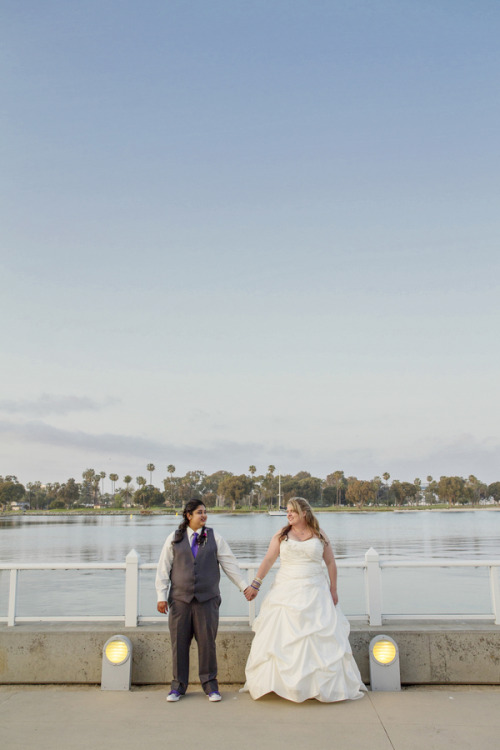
<point>187,585</point>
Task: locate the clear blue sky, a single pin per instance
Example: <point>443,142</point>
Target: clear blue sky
<point>241,233</point>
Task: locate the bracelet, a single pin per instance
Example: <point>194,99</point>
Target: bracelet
<point>256,584</point>
<point>259,580</point>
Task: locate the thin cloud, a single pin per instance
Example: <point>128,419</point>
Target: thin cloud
<point>462,456</point>
<point>45,434</point>
<point>47,404</point>
<point>221,454</point>
<point>467,455</point>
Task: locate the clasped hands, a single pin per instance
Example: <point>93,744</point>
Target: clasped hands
<point>250,593</point>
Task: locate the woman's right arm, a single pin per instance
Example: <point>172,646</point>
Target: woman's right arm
<point>267,563</point>
<point>163,574</point>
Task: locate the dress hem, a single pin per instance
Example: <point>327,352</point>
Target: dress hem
<point>245,689</point>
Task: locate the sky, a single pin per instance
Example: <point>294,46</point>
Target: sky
<point>238,233</point>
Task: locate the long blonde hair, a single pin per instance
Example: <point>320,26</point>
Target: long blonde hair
<point>300,505</point>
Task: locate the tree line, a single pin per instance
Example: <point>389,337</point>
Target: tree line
<point>223,489</point>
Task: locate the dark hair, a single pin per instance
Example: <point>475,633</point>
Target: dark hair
<point>190,508</point>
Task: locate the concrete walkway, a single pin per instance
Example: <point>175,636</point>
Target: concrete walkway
<point>84,718</point>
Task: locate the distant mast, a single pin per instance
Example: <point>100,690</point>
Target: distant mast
<point>278,512</point>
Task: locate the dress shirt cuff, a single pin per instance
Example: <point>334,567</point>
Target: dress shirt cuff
<point>162,595</point>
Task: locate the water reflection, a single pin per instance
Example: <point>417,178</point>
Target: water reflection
<point>11,521</point>
<point>8,521</point>
<point>408,535</point>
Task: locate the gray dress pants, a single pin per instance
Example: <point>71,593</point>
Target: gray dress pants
<point>201,620</point>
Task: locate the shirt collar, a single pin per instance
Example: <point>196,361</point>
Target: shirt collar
<point>190,532</point>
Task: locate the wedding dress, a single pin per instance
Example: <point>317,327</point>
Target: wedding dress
<point>301,646</point>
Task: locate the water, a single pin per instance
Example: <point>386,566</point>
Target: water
<point>418,535</point>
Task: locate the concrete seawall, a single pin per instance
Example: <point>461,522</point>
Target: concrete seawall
<point>430,653</point>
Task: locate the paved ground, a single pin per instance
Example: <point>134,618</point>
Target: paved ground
<point>85,718</point>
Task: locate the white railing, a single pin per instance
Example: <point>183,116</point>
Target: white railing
<point>372,566</point>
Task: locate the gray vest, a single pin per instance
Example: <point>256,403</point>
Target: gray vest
<point>194,578</point>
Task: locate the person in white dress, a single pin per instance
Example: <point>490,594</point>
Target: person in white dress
<point>301,647</point>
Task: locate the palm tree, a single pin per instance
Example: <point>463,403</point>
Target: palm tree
<point>269,484</point>
<point>88,483</point>
<point>95,484</point>
<point>88,475</point>
<point>141,481</point>
<point>102,474</point>
<point>150,468</point>
<point>171,470</point>
<point>252,469</point>
<point>127,479</point>
<point>113,478</point>
<point>338,480</point>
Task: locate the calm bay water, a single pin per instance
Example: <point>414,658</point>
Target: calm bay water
<point>407,535</point>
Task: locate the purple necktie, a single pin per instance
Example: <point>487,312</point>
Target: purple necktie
<point>194,546</point>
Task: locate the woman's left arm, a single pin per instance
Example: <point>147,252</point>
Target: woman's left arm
<point>331,566</point>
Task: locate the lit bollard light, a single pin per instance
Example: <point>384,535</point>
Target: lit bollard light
<point>116,663</point>
<point>385,674</point>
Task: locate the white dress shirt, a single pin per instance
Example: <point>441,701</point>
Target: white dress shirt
<point>225,557</point>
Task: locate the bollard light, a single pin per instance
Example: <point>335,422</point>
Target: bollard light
<point>116,663</point>
<point>384,664</point>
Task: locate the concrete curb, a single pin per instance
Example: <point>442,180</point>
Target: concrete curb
<point>430,653</point>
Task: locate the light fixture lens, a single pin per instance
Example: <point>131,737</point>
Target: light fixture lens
<point>117,652</point>
<point>384,652</point>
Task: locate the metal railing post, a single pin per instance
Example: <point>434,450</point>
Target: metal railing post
<point>373,587</point>
<point>132,589</point>
<point>11,614</point>
<point>495,592</point>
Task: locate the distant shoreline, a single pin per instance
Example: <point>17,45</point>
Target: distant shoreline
<point>240,512</point>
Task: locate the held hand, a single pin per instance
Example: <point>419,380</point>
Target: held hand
<point>250,593</point>
<point>334,596</point>
<point>162,607</point>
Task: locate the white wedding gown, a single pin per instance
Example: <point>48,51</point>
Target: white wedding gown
<point>301,646</point>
